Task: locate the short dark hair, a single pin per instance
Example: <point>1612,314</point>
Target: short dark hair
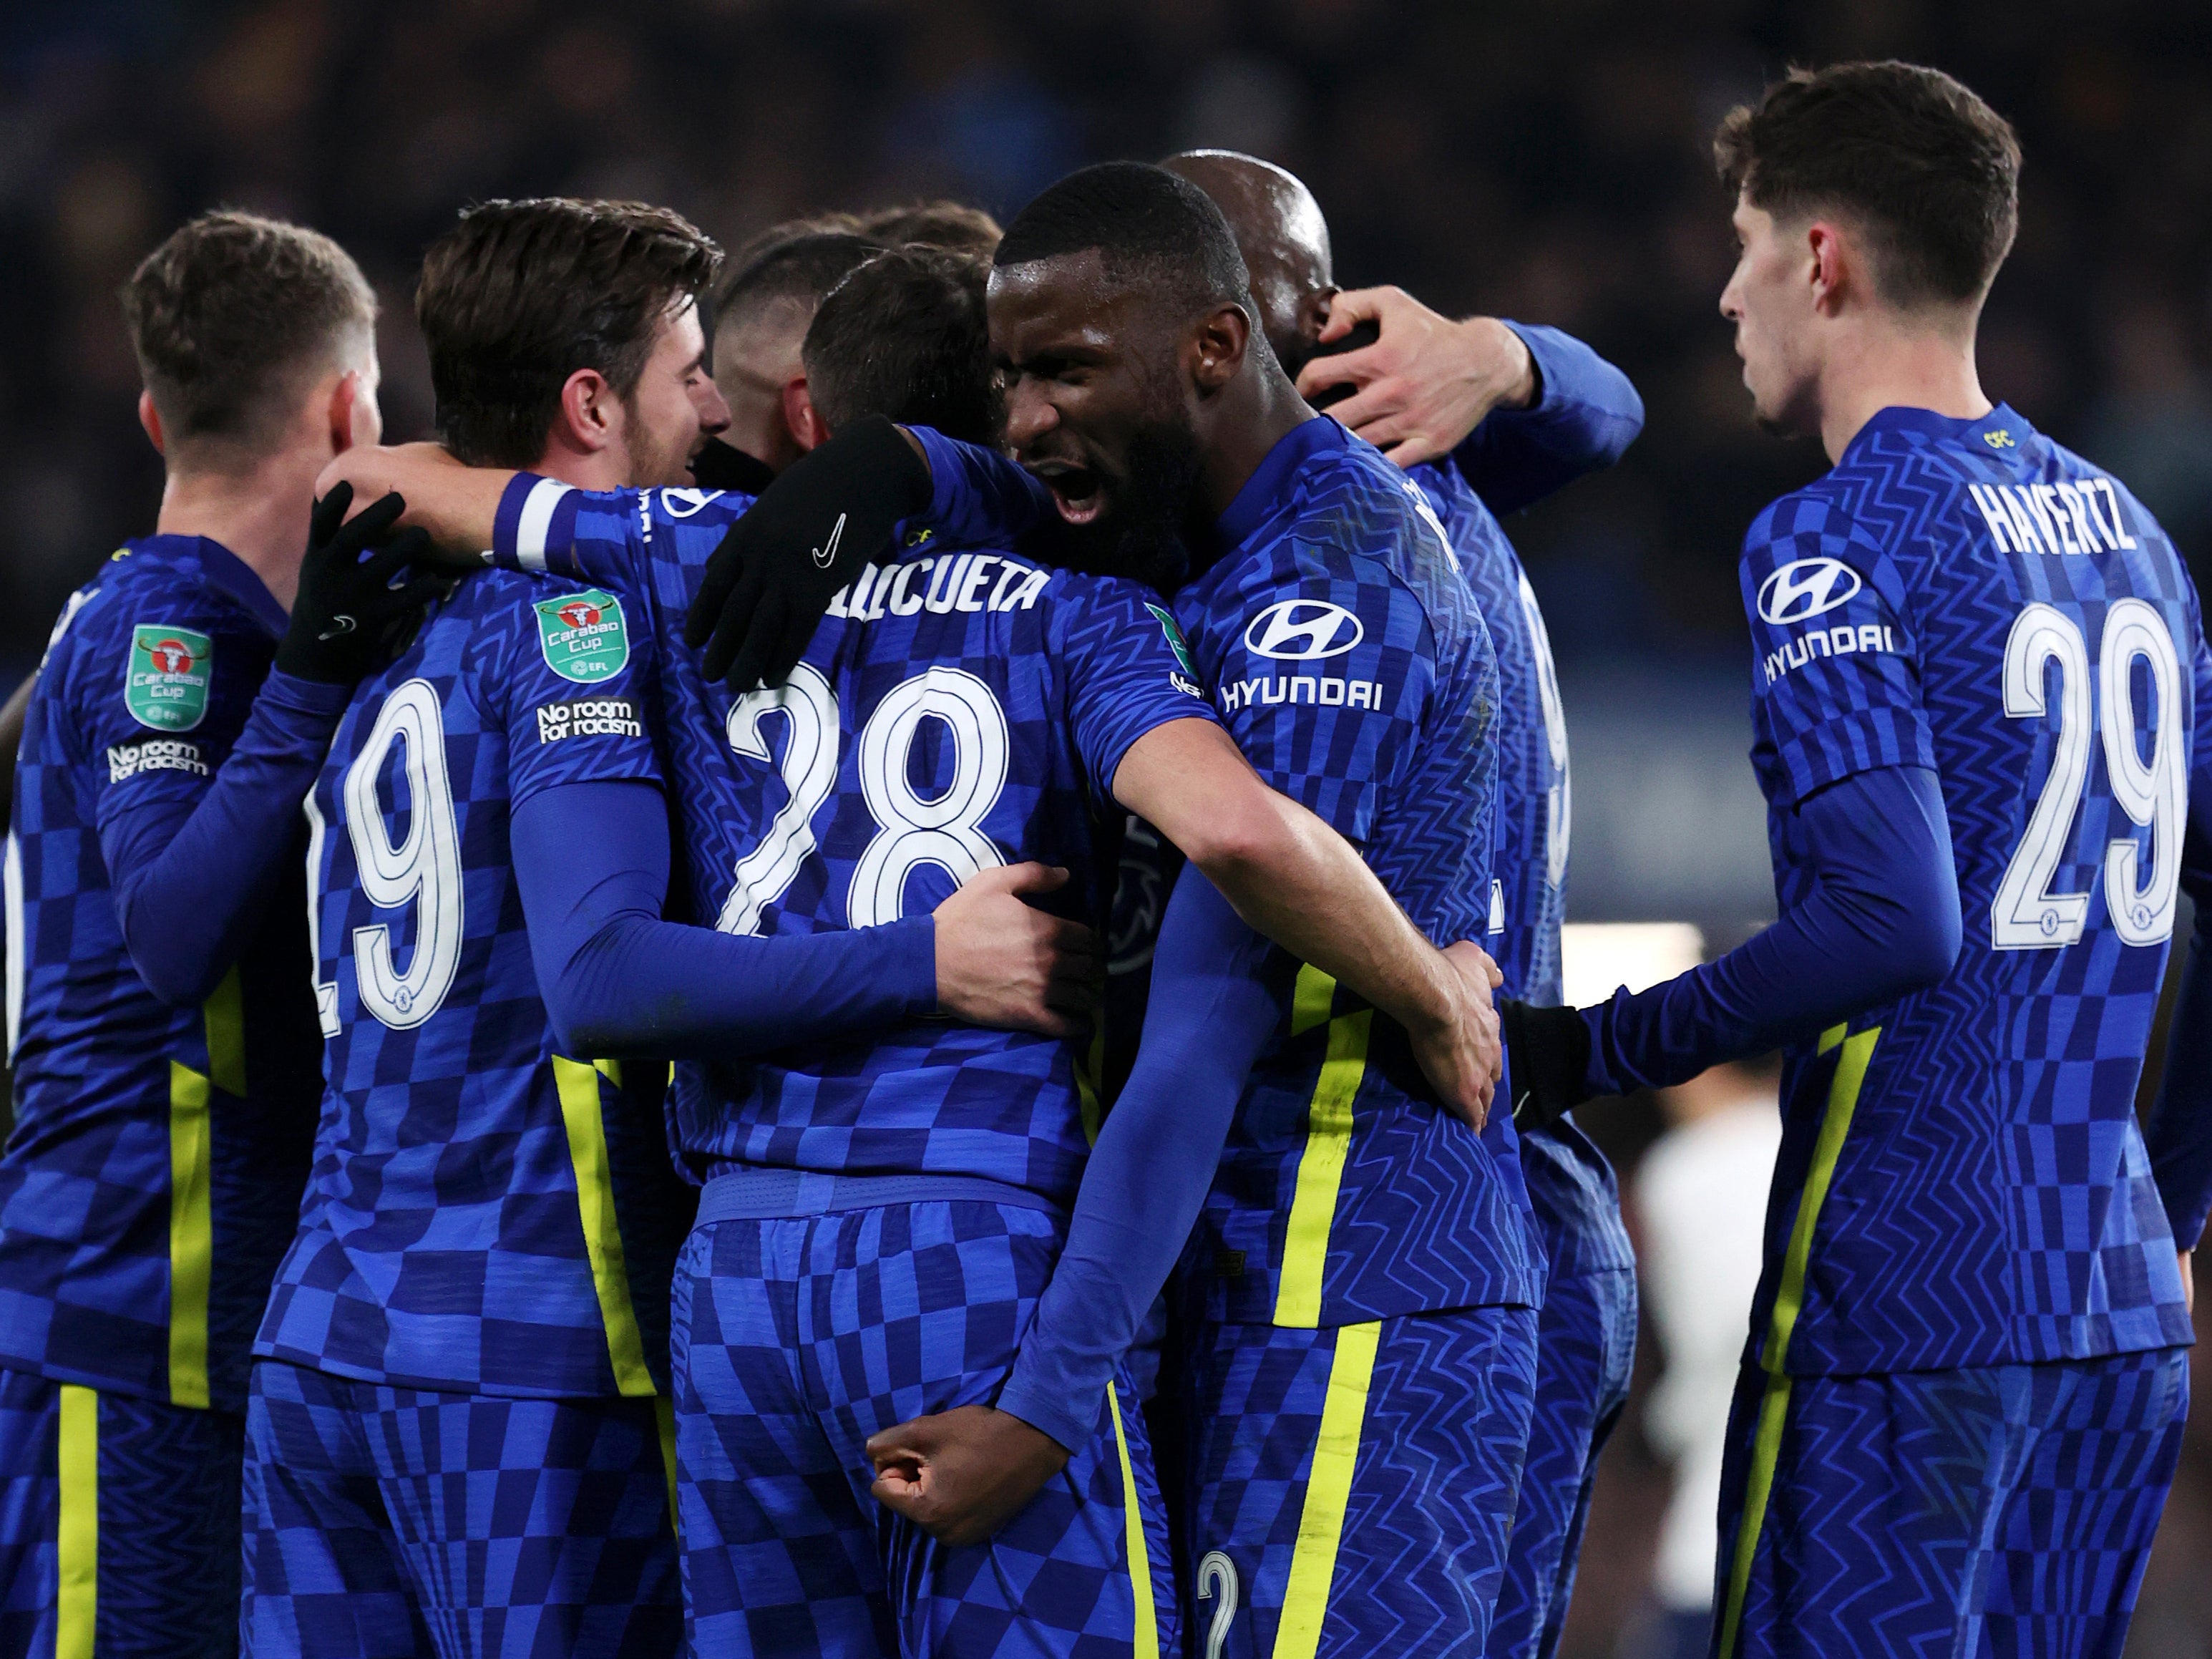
<point>230,312</point>
<point>905,337</point>
<point>1931,171</point>
<point>1147,225</point>
<point>803,266</point>
<point>519,295</point>
<point>953,226</point>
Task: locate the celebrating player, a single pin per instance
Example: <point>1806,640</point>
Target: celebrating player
<point>487,1247</point>
<point>166,1056</point>
<point>1358,1243</point>
<point>1981,695</point>
<point>982,1133</point>
<point>1578,409</point>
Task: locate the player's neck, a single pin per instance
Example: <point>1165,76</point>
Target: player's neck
<point>1264,409</point>
<point>1881,366</point>
<point>586,469</point>
<point>259,513</point>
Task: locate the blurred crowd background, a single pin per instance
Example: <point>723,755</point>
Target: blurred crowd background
<point>1548,162</point>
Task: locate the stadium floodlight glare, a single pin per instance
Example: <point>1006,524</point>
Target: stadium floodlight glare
<point>1598,957</point>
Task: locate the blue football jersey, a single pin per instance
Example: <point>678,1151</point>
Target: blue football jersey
<point>1571,1186</point>
<point>150,1182</point>
<point>1350,663</point>
<point>1961,1180</point>
<point>959,707</point>
<point>485,1213</point>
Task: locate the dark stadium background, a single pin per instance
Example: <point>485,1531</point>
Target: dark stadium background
<point>1545,161</point>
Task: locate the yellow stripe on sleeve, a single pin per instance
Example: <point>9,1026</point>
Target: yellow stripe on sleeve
<point>191,1235</point>
<point>1789,1301</point>
<point>76,1530</point>
<point>1329,1490</point>
<point>578,1085</point>
<point>1140,1555</point>
<point>1320,1168</point>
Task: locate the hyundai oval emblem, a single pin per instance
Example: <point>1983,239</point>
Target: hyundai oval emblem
<point>1806,587</point>
<point>1303,630</point>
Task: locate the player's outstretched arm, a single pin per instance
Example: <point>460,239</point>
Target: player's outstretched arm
<point>619,981</point>
<point>1217,993</point>
<point>1523,411</point>
<point>1295,879</point>
<point>191,870</point>
<point>1882,920</point>
<point>456,506</point>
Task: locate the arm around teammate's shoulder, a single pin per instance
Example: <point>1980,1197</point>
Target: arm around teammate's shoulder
<point>1293,879</point>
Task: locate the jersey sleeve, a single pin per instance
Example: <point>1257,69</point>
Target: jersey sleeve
<point>1586,413</point>
<point>603,537</point>
<point>1323,665</point>
<point>978,495</point>
<point>566,668</point>
<point>1128,670</point>
<point>1836,676</point>
<point>161,682</point>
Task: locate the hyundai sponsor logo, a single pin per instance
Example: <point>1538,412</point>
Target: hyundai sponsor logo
<point>1303,630</point>
<point>1806,587</point>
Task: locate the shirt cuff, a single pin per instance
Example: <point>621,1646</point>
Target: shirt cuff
<point>535,525</point>
<point>317,698</point>
<point>1045,1405</point>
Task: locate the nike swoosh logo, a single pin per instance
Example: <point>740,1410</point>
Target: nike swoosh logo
<point>339,625</point>
<point>826,555</point>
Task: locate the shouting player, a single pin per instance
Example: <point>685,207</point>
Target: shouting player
<point>165,1051</point>
<point>1577,411</point>
<point>992,705</point>
<point>1983,707</point>
<point>1358,1243</point>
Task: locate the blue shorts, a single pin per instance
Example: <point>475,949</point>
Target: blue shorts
<point>1585,1349</point>
<point>119,1524</point>
<point>389,1521</point>
<point>1350,1490</point>
<point>2005,1509</point>
<point>798,1338</point>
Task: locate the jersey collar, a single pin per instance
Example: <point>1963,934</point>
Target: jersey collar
<point>1272,479</point>
<point>225,570</point>
<point>1999,430</point>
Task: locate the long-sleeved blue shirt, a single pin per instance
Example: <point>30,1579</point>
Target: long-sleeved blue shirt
<point>1586,413</point>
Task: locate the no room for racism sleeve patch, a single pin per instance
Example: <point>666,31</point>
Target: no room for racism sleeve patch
<point>583,636</point>
<point>171,668</point>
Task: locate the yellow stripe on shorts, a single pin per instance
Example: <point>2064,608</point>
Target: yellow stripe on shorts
<point>77,1528</point>
<point>1788,1301</point>
<point>1329,1489</point>
<point>1328,1140</point>
<point>578,1085</point>
<point>1140,1555</point>
<point>191,1235</point>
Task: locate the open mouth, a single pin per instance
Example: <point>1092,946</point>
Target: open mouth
<point>1075,490</point>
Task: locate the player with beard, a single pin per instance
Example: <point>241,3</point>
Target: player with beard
<point>1586,1334</point>
<point>936,1143</point>
<point>1356,1243</point>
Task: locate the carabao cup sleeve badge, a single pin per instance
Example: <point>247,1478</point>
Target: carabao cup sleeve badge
<point>583,636</point>
<point>171,668</point>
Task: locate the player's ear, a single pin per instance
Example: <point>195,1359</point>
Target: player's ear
<point>1216,348</point>
<point>1833,265</point>
<point>353,415</point>
<point>808,429</point>
<point>590,417</point>
<point>150,418</point>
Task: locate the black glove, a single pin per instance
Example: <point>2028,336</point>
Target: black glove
<point>767,584</point>
<point>1547,1053</point>
<point>718,467</point>
<point>344,613</point>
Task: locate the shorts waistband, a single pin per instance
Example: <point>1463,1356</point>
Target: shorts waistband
<point>764,1194</point>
